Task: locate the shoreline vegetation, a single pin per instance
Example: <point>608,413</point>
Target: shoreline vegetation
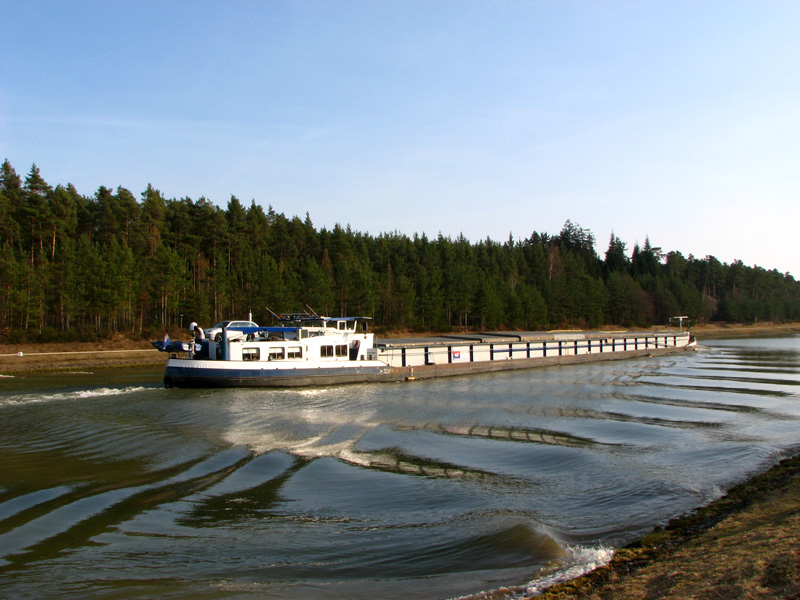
<point>84,267</point>
<point>743,545</point>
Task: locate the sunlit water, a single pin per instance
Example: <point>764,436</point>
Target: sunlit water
<point>113,487</point>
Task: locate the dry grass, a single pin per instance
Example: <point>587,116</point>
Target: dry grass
<point>81,355</point>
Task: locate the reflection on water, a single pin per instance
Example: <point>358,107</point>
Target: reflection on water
<point>111,485</point>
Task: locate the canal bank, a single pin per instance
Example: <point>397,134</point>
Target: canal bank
<point>744,545</point>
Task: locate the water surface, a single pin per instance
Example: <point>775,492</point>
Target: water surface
<point>114,487</point>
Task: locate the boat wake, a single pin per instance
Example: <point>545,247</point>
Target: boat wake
<point>23,399</point>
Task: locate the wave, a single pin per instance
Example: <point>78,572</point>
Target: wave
<point>575,562</point>
<point>581,561</point>
<point>23,399</point>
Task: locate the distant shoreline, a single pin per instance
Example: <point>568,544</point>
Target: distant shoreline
<point>121,352</point>
<point>722,330</point>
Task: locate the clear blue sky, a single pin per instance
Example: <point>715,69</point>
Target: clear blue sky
<point>674,120</point>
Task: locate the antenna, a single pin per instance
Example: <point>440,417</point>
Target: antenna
<point>680,321</point>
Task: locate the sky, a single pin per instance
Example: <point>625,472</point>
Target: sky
<point>673,121</point>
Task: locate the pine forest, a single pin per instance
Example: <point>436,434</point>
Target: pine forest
<point>85,268</point>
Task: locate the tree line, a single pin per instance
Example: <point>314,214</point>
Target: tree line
<point>80,268</point>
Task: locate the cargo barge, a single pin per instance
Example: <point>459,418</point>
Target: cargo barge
<point>312,350</point>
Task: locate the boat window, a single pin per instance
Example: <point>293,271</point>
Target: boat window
<point>276,354</point>
<point>251,354</point>
<point>326,351</point>
<point>341,350</point>
<point>294,352</point>
<point>341,325</point>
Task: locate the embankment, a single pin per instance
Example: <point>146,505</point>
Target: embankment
<point>744,545</point>
<point>22,358</point>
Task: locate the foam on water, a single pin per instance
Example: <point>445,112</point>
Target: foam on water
<point>22,399</point>
<point>581,561</point>
<point>577,561</point>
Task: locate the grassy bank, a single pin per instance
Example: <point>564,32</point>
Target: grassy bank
<point>744,545</point>
<point>21,358</point>
<point>721,330</point>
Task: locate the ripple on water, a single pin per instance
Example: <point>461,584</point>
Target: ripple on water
<point>428,490</point>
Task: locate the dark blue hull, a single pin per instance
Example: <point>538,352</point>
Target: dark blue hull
<point>192,376</point>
